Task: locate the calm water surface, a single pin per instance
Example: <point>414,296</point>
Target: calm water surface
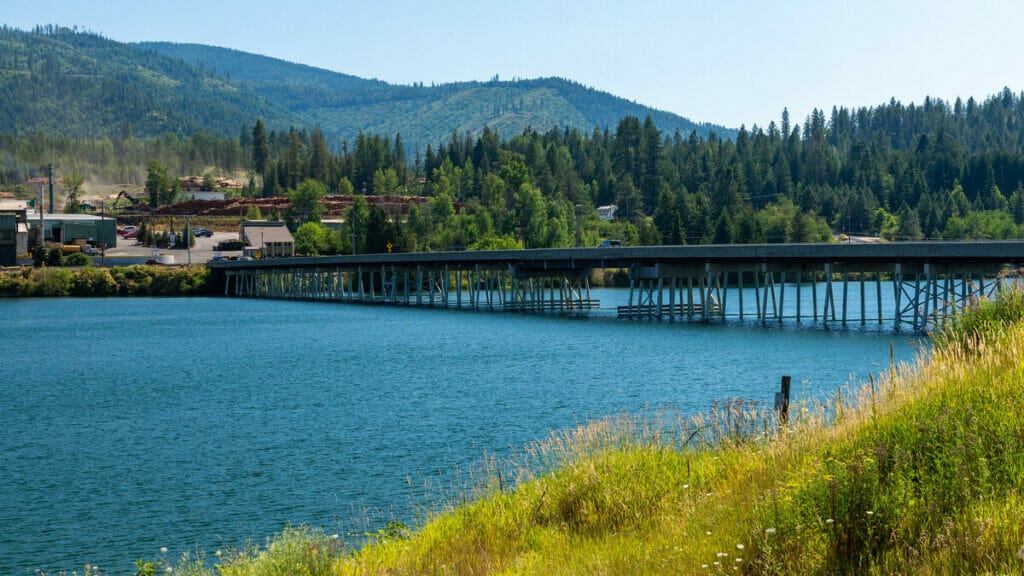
<point>131,424</point>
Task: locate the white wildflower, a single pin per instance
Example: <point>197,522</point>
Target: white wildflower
<point>769,531</point>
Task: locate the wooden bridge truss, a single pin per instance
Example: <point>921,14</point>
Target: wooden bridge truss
<point>914,285</point>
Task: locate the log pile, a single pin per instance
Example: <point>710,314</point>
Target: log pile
<point>336,206</point>
<point>195,183</point>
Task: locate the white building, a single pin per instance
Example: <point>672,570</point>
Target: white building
<point>607,212</point>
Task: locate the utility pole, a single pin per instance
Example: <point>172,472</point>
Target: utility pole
<point>188,239</point>
<point>39,209</point>
<point>103,224</point>
<point>352,221</point>
<point>579,214</point>
<point>51,186</point>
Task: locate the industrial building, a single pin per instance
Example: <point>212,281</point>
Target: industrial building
<point>71,228</point>
<point>57,228</point>
<point>13,230</point>
<point>8,240</point>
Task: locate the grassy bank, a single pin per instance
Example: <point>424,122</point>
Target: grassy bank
<point>117,281</point>
<point>919,472</point>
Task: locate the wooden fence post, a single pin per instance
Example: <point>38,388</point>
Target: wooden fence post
<point>782,400</point>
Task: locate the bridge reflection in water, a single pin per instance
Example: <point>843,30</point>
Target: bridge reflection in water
<point>922,282</point>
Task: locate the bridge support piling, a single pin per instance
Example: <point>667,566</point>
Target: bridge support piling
<point>929,281</point>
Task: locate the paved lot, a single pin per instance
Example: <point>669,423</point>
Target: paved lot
<point>130,252</point>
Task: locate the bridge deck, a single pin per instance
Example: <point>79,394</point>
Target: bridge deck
<point>1006,252</point>
<point>929,279</point>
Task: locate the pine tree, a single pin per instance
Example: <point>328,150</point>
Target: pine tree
<point>156,183</point>
<point>260,148</point>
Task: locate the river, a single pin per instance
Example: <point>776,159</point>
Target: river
<point>198,424</point>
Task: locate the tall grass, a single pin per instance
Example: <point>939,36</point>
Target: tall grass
<point>920,471</point>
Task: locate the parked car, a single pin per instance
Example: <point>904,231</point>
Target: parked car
<point>229,245</point>
<point>124,230</point>
<point>154,262</point>
<point>202,232</point>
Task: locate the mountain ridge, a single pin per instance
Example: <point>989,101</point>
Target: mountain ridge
<point>508,106</point>
<point>80,84</point>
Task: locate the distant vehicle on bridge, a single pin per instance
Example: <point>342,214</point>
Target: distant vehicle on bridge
<point>610,244</point>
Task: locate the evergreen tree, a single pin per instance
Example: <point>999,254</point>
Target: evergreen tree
<point>260,148</point>
<point>357,219</point>
<point>910,225</point>
<point>293,170</point>
<point>1016,204</point>
<point>377,237</point>
<point>319,158</point>
<point>157,183</point>
<point>723,230</point>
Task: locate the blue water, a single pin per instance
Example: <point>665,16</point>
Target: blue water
<point>132,424</point>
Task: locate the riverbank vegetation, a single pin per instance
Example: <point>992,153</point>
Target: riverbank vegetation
<point>94,281</point>
<point>921,471</point>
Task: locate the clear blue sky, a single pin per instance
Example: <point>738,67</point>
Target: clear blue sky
<point>727,62</point>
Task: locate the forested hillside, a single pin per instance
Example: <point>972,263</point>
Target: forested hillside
<point>64,82</point>
<point>343,105</point>
<point>61,82</point>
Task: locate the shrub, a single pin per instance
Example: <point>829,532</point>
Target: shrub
<point>293,551</point>
<point>39,256</point>
<point>94,282</point>
<point>185,281</point>
<point>14,285</point>
<point>54,256</point>
<point>132,280</point>
<point>52,282</point>
<point>77,260</point>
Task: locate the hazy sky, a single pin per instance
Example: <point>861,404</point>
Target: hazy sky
<point>726,62</point>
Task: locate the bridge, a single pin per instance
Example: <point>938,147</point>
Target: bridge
<point>913,284</point>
